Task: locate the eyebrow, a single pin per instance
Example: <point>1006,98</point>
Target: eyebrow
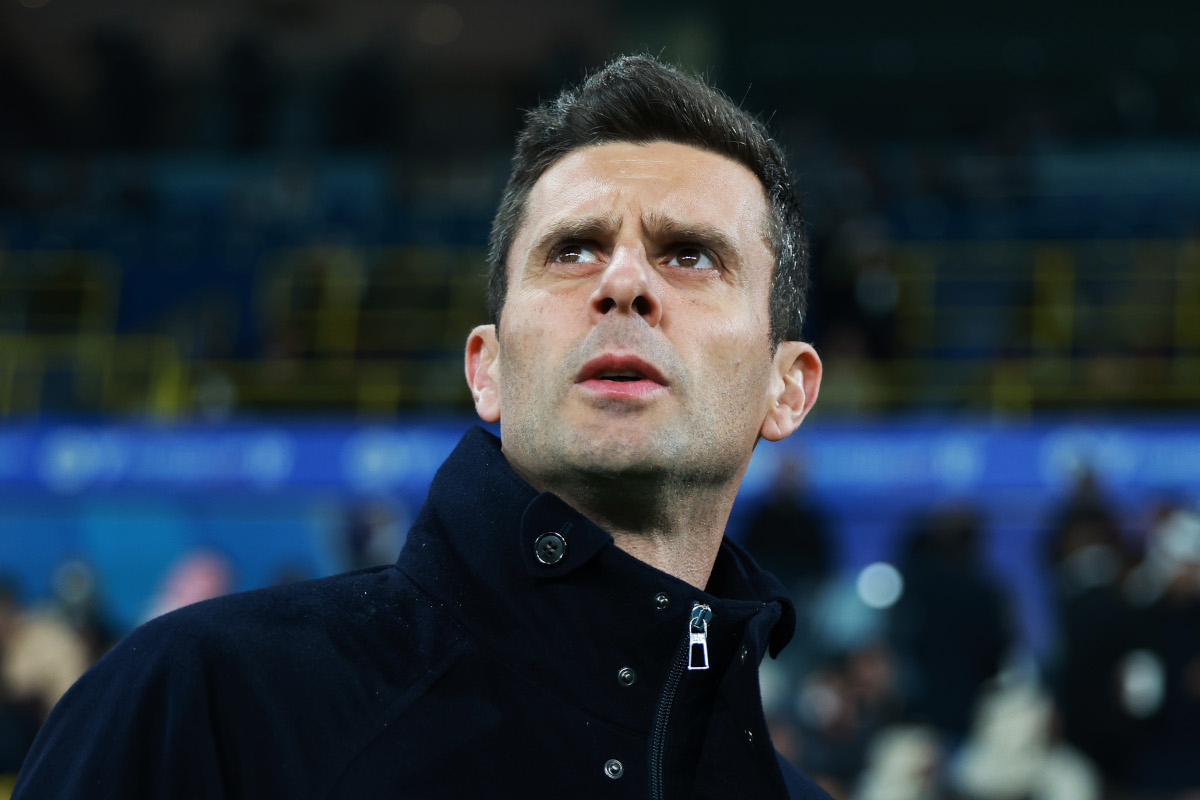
<point>661,228</point>
<point>576,228</point>
<point>658,228</point>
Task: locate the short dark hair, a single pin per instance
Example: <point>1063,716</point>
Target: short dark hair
<point>639,99</point>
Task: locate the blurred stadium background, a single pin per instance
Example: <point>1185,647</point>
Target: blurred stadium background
<point>241,245</point>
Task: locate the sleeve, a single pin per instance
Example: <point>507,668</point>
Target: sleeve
<point>136,725</point>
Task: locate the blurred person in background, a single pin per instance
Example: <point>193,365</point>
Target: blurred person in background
<point>903,763</point>
<point>77,602</point>
<point>788,534</point>
<point>40,657</point>
<point>19,717</point>
<point>371,534</point>
<point>199,575</point>
<point>950,627</point>
<point>566,618</point>
<point>1159,676</point>
<point>1098,628</point>
<point>1014,750</point>
<point>841,708</point>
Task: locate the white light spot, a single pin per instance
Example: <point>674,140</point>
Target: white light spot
<point>958,462</point>
<point>879,585</point>
<point>269,460</point>
<point>70,460</point>
<point>1143,683</point>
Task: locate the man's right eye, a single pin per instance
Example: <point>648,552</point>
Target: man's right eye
<point>574,254</point>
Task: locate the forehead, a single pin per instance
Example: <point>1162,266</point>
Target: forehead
<point>666,179</point>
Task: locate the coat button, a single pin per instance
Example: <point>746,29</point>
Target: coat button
<point>626,676</point>
<point>662,600</point>
<point>613,768</point>
<point>550,548</point>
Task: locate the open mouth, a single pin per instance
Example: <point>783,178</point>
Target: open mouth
<point>612,368</point>
<point>619,377</point>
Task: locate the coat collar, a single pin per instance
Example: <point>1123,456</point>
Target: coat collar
<point>482,501</point>
<point>598,609</point>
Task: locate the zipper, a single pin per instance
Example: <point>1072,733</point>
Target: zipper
<point>692,653</point>
<point>698,637</point>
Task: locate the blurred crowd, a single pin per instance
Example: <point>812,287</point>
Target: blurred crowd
<point>224,181</point>
<point>909,681</point>
<point>931,692</point>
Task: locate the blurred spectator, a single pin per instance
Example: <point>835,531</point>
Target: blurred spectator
<point>19,716</point>
<point>835,736</point>
<point>951,625</point>
<point>76,601</point>
<point>903,764</point>
<point>1097,628</point>
<point>373,535</point>
<point>1160,681</point>
<point>40,657</point>
<point>200,575</point>
<point>1013,752</point>
<point>788,534</point>
<point>840,708</point>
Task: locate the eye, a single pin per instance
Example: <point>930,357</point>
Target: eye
<point>692,257</point>
<point>574,254</point>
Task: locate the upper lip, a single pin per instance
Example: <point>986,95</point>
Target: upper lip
<point>612,365</point>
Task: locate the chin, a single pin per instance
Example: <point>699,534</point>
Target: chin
<point>617,454</point>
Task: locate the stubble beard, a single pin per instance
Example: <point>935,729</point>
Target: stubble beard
<point>660,458</point>
<point>610,452</point>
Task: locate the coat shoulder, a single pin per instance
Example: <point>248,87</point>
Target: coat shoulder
<point>233,692</point>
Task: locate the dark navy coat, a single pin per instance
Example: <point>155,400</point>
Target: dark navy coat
<point>468,669</point>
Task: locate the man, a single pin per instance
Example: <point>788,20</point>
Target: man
<point>566,619</point>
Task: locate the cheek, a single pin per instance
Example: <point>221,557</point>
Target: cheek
<point>733,359</point>
<point>726,340</point>
<point>531,337</point>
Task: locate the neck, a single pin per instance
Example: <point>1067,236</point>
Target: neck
<point>674,526</point>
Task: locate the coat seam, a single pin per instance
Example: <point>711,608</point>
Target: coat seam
<point>396,710</point>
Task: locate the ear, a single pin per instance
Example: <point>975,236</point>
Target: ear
<point>795,381</point>
<point>483,371</point>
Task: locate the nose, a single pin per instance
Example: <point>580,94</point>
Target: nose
<point>627,287</point>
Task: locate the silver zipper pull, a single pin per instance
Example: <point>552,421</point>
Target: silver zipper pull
<point>698,637</point>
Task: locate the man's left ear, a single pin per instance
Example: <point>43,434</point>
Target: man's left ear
<point>482,366</point>
<point>795,381</point>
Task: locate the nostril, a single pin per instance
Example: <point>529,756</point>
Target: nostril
<point>607,305</point>
<point>641,305</point>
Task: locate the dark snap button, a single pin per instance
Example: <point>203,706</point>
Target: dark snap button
<point>626,676</point>
<point>550,548</point>
<point>613,768</point>
<point>662,600</point>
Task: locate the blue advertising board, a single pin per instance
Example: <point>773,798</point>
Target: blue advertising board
<point>130,498</point>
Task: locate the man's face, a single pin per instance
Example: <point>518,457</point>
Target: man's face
<point>635,336</point>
